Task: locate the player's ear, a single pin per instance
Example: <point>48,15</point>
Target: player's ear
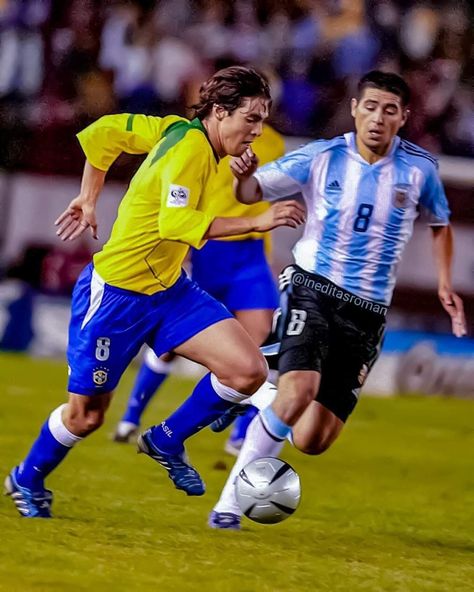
<point>405,116</point>
<point>353,107</point>
<point>219,111</point>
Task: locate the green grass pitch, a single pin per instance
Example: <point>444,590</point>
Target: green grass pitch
<point>388,508</point>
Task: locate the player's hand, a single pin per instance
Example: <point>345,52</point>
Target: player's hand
<point>283,213</point>
<point>245,165</point>
<point>79,215</point>
<point>453,305</point>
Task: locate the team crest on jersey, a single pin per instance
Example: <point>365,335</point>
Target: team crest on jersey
<point>178,196</point>
<point>100,376</point>
<point>401,195</point>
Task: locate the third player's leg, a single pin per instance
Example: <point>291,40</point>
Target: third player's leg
<point>256,322</point>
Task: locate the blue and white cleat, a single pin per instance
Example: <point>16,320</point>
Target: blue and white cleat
<point>228,417</point>
<point>183,475</point>
<point>224,520</point>
<point>29,503</point>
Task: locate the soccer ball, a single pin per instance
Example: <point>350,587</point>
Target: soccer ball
<point>268,490</point>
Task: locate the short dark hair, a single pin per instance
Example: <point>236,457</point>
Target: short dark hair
<point>385,81</point>
<point>228,87</point>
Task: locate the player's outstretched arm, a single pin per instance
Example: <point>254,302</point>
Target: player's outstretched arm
<point>102,142</point>
<point>246,187</point>
<point>451,302</point>
<point>284,213</point>
<point>80,213</point>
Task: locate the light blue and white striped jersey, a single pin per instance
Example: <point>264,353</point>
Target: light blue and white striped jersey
<point>359,215</point>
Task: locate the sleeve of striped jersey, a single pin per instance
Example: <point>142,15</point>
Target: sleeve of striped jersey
<point>105,139</point>
<point>182,182</point>
<point>287,175</point>
<point>434,204</point>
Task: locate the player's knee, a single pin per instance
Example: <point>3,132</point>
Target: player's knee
<point>250,374</point>
<point>302,390</point>
<point>83,424</point>
<point>94,420</point>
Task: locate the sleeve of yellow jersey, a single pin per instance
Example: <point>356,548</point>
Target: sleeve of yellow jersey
<point>105,139</point>
<point>183,177</point>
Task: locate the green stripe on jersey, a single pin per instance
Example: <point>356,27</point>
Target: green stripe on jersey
<point>130,123</point>
<point>174,134</point>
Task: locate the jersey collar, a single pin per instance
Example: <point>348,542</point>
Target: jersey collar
<point>350,138</point>
<point>197,123</point>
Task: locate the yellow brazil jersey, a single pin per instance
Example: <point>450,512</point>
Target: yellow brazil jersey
<point>162,213</point>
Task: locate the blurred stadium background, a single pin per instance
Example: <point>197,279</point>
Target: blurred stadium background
<point>389,508</point>
<point>64,64</point>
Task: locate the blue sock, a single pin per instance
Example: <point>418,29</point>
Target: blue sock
<point>44,456</point>
<point>242,423</point>
<point>146,384</point>
<point>199,410</point>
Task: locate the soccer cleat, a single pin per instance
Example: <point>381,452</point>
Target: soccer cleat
<point>29,503</point>
<point>228,417</point>
<point>183,475</point>
<point>125,432</point>
<point>224,520</point>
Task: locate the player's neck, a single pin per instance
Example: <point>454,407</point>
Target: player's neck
<point>213,137</point>
<point>370,155</point>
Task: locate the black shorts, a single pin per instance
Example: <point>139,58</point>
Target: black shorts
<point>324,328</point>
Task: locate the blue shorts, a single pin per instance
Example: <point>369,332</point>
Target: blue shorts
<point>236,273</point>
<point>109,325</point>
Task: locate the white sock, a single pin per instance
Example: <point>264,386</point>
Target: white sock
<point>59,430</point>
<point>258,443</point>
<point>264,396</point>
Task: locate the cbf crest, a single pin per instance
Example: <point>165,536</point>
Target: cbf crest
<point>99,376</point>
<point>401,195</point>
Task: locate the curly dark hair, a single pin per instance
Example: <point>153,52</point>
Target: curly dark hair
<point>228,88</point>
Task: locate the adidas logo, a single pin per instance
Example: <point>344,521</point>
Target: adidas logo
<point>334,186</point>
<point>284,279</point>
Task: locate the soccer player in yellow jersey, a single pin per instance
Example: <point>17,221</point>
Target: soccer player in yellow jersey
<point>135,291</point>
<point>234,270</point>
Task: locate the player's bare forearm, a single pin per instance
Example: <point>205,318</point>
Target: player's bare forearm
<point>451,302</point>
<point>92,183</point>
<point>222,227</point>
<point>285,213</point>
<point>247,190</point>
<point>443,254</point>
<point>80,213</point>
<point>246,187</point>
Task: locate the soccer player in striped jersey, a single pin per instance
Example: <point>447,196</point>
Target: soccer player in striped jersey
<point>135,291</point>
<point>234,270</point>
<point>363,192</point>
